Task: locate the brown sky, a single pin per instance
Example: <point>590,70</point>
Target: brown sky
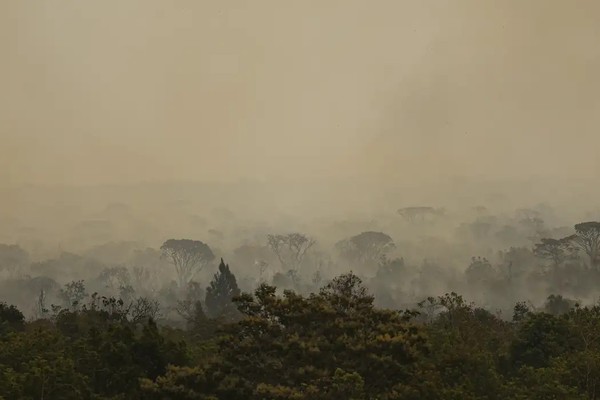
<point>132,90</point>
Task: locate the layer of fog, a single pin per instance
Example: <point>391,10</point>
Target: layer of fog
<point>130,91</point>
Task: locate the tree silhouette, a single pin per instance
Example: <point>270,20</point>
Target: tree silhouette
<point>554,250</point>
<point>366,248</point>
<point>223,288</point>
<point>188,257</point>
<point>587,238</point>
<point>290,249</point>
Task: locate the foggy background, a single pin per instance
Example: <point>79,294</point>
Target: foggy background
<point>223,121</point>
<point>130,91</point>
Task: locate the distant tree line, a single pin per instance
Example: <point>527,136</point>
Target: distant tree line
<point>293,337</point>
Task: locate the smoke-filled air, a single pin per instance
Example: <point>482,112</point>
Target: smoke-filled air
<point>298,200</point>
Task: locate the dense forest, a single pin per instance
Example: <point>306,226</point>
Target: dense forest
<point>334,344</point>
<point>299,200</point>
<point>151,329</point>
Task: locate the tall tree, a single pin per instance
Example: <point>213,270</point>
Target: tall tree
<point>223,288</point>
<point>73,293</point>
<point>366,248</point>
<point>554,250</point>
<point>290,249</point>
<point>188,256</point>
<point>587,238</point>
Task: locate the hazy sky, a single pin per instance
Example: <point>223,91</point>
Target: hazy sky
<point>137,90</point>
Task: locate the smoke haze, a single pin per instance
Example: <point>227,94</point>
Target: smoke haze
<point>295,115</point>
<point>131,91</point>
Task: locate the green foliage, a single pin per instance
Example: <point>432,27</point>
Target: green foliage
<point>179,383</point>
<point>556,304</point>
<point>73,293</point>
<point>290,344</point>
<point>540,338</point>
<point>87,353</point>
<point>334,344</point>
<point>219,295</point>
<point>11,318</point>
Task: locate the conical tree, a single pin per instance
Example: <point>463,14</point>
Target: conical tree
<point>223,288</point>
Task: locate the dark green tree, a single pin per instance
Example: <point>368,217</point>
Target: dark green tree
<point>11,318</point>
<point>219,295</point>
<point>336,341</point>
